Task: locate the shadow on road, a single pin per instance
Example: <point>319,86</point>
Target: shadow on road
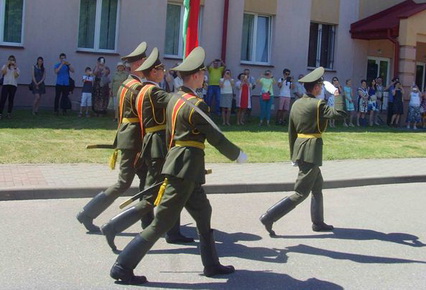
<point>245,279</point>
<point>365,259</point>
<point>364,234</point>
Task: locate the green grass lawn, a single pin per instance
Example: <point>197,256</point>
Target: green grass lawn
<point>62,139</point>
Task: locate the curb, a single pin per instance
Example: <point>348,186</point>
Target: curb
<point>84,192</point>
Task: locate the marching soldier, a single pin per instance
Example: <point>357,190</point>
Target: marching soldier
<point>308,120</point>
<point>151,104</point>
<point>188,127</point>
<point>128,140</point>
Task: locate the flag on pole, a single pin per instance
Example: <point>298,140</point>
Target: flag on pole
<point>190,25</point>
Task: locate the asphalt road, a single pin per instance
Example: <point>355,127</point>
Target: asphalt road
<point>379,243</point>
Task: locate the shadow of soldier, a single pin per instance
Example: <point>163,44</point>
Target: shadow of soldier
<point>363,234</point>
<point>227,245</point>
<point>246,279</point>
<point>365,259</point>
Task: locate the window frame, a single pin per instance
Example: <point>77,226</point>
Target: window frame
<point>331,60</point>
<point>2,19</point>
<point>200,34</point>
<point>253,48</point>
<point>180,45</point>
<point>96,36</point>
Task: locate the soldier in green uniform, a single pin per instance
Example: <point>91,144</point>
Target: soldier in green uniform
<point>128,140</point>
<point>151,104</point>
<point>188,127</point>
<point>308,120</point>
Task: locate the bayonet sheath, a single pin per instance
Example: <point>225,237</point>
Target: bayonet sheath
<point>151,189</point>
<point>100,146</point>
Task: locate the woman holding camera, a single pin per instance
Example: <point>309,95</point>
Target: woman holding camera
<point>398,107</point>
<point>101,87</point>
<point>266,98</point>
<point>10,72</point>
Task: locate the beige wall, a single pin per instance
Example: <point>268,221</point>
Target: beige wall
<point>268,7</point>
<point>421,52</point>
<point>411,28</point>
<point>370,7</point>
<point>325,11</point>
<point>381,48</point>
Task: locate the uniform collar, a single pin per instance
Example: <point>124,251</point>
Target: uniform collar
<point>186,90</point>
<point>151,82</point>
<point>137,78</point>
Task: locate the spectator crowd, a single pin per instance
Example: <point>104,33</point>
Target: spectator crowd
<point>370,103</point>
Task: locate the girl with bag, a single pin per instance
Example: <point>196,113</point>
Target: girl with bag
<point>266,81</point>
<point>38,75</point>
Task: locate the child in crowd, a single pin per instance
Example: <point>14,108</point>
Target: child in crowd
<point>414,115</point>
<point>86,92</point>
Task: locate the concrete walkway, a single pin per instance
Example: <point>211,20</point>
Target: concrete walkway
<point>38,181</point>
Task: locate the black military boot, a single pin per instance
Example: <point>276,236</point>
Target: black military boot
<point>212,266</point>
<point>128,259</point>
<point>317,214</point>
<point>174,236</point>
<point>124,220</point>
<point>276,212</point>
<point>92,210</point>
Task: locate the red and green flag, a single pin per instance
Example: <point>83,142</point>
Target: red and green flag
<point>190,25</point>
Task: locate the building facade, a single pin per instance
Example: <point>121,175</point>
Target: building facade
<point>259,35</point>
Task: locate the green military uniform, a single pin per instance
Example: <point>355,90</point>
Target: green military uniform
<point>128,140</point>
<point>184,168</point>
<point>150,106</point>
<point>308,120</point>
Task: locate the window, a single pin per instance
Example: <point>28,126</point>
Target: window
<point>174,30</point>
<point>98,24</point>
<point>256,40</point>
<point>174,26</point>
<point>11,21</point>
<point>321,45</point>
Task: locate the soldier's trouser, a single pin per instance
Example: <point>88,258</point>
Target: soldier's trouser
<point>153,176</point>
<point>179,193</point>
<point>309,179</point>
<point>125,178</point>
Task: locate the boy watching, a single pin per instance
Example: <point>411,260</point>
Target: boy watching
<point>86,92</point>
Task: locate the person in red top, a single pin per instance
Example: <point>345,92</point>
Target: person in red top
<point>243,87</point>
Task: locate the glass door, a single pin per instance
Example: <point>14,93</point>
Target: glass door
<point>420,75</point>
<point>378,67</point>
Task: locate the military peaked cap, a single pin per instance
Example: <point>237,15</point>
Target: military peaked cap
<point>137,54</point>
<point>193,63</point>
<point>152,61</point>
<point>313,76</point>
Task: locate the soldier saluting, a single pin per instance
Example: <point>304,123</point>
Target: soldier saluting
<point>308,120</point>
<point>151,104</point>
<point>128,140</point>
<point>187,129</point>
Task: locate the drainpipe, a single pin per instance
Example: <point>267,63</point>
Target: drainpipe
<point>225,30</point>
<point>396,56</point>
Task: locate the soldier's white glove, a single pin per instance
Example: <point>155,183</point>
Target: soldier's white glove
<point>330,88</point>
<point>242,158</point>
